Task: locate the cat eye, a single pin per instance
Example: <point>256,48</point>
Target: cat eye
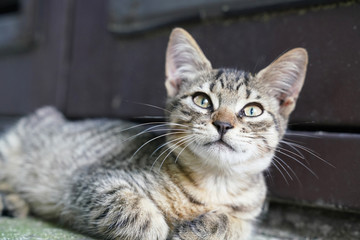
<point>202,100</point>
<point>252,110</point>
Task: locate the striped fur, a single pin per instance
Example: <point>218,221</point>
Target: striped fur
<point>200,177</point>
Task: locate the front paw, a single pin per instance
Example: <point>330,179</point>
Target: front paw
<point>12,205</point>
<point>209,226</point>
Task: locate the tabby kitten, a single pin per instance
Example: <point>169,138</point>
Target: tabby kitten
<point>202,179</point>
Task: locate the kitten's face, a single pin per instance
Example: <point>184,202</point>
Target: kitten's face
<point>230,117</point>
<point>230,121</point>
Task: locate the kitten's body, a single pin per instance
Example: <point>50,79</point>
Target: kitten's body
<point>112,180</point>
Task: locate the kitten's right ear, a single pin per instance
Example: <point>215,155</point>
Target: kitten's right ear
<point>184,59</point>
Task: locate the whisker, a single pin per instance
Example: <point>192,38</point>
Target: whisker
<point>166,143</point>
<point>119,130</point>
<point>148,105</point>
<point>140,125</point>
<point>160,130</point>
<point>157,117</point>
<point>151,129</point>
<point>116,129</point>
<point>302,147</point>
<point>174,148</point>
<point>151,117</point>
<point>292,133</point>
<point>280,162</point>
<point>288,144</point>
<point>311,152</point>
<point>153,139</point>
<point>292,171</point>
<point>292,140</point>
<point>162,145</point>
<point>177,157</point>
<point>295,154</point>
<point>273,162</point>
<point>301,163</point>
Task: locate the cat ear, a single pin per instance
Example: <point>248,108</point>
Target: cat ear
<point>284,78</point>
<point>184,59</point>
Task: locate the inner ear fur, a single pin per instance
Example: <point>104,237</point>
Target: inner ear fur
<point>184,59</point>
<point>285,77</point>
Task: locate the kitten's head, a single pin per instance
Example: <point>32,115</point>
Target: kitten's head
<point>233,119</point>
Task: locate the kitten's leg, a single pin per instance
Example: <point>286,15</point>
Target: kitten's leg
<point>121,212</point>
<point>213,226</point>
<point>11,204</point>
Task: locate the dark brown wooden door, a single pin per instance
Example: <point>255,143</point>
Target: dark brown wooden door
<point>71,56</point>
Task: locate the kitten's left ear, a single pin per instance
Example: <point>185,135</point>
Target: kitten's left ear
<point>284,78</point>
<point>184,59</point>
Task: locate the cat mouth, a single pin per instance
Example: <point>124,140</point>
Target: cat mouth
<point>220,143</point>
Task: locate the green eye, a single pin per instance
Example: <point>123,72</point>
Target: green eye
<point>252,110</point>
<point>202,100</point>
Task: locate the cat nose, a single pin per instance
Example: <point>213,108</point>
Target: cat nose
<point>222,127</point>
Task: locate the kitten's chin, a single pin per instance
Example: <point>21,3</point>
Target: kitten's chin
<point>219,146</point>
<point>222,156</point>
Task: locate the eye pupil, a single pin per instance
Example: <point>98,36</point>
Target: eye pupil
<point>204,101</point>
<point>252,110</point>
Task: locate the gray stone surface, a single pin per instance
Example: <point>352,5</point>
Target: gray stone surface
<point>280,222</point>
<point>31,229</point>
<point>286,221</point>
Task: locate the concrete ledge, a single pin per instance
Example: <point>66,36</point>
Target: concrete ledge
<point>31,228</point>
<point>280,222</point>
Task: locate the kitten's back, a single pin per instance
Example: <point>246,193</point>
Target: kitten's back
<point>47,149</point>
